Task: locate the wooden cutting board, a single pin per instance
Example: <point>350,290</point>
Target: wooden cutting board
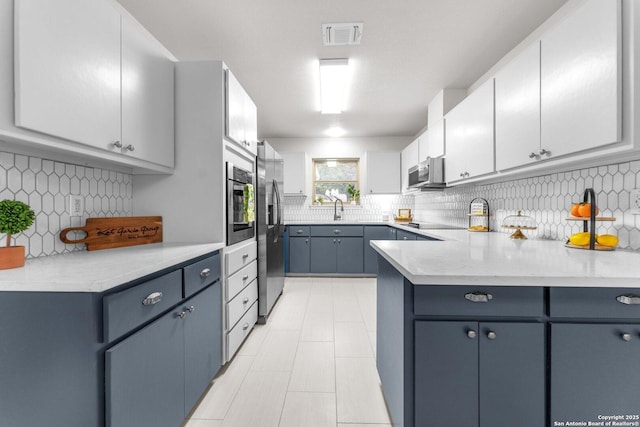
<point>114,232</point>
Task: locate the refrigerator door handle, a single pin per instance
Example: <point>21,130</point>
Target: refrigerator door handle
<point>276,192</point>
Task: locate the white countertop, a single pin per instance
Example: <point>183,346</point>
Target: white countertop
<point>467,258</point>
<point>98,271</point>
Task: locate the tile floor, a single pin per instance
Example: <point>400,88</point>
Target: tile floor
<point>311,365</point>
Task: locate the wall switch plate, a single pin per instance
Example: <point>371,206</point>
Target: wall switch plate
<point>76,205</point>
<point>634,202</point>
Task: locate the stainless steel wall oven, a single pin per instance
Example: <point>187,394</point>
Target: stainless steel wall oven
<point>240,210</point>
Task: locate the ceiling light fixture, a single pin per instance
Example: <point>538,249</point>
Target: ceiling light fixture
<point>336,132</point>
<point>333,78</point>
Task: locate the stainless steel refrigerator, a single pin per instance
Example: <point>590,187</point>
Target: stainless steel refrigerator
<point>270,184</point>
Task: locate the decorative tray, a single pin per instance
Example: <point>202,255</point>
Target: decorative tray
<point>585,218</point>
<point>597,247</point>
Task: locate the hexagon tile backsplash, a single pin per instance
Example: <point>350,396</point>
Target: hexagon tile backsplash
<point>546,198</point>
<point>46,185</point>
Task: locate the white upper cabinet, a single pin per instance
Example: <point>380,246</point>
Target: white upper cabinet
<point>581,79</point>
<point>470,136</point>
<point>383,173</point>
<point>518,110</point>
<point>86,73</point>
<point>147,96</point>
<point>295,173</point>
<point>433,141</point>
<point>67,69</point>
<point>241,115</point>
<point>409,157</point>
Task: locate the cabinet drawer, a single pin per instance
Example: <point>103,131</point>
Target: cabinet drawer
<point>297,230</point>
<point>125,310</point>
<point>468,301</point>
<point>240,279</point>
<point>241,303</point>
<point>608,303</point>
<point>237,335</point>
<point>335,231</point>
<point>200,274</point>
<point>239,257</point>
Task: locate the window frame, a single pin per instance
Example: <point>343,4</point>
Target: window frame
<point>318,160</point>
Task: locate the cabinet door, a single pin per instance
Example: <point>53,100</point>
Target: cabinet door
<point>299,254</point>
<point>446,374</point>
<point>235,120</point>
<point>435,138</point>
<point>323,255</point>
<point>404,235</point>
<point>512,375</point>
<point>350,255</point>
<point>383,172</point>
<point>295,173</point>
<point>202,342</point>
<point>594,371</point>
<point>409,158</point>
<point>456,159</point>
<point>250,124</point>
<point>67,80</point>
<point>370,255</point>
<point>147,96</point>
<point>580,79</point>
<point>518,110</point>
<point>145,376</point>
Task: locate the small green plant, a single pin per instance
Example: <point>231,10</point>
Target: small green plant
<point>354,193</point>
<point>318,200</point>
<point>15,217</point>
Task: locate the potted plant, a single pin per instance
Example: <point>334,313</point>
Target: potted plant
<point>15,217</point>
<point>354,193</point>
<point>318,200</point>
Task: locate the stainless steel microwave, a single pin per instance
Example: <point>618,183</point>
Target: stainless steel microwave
<point>429,173</point>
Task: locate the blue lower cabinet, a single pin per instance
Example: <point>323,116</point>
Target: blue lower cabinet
<point>405,235</point>
<point>375,232</point>
<point>349,255</point>
<point>145,376</point>
<point>478,374</point>
<point>202,342</point>
<point>594,372</point>
<point>299,254</point>
<point>323,255</point>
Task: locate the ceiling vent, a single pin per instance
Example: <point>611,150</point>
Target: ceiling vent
<point>340,34</point>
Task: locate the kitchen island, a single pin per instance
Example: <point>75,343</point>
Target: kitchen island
<point>476,329</point>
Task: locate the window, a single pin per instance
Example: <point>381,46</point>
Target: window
<point>332,179</point>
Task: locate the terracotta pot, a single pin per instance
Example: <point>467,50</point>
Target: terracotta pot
<point>11,257</point>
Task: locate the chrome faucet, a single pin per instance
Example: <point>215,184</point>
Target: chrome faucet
<point>336,215</point>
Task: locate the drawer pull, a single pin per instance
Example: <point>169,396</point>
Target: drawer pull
<point>299,232</point>
<point>471,333</point>
<point>182,314</point>
<point>205,273</point>
<point>245,277</point>
<point>245,326</point>
<point>478,296</point>
<point>626,337</point>
<point>191,309</point>
<point>245,255</point>
<point>245,300</point>
<point>336,231</point>
<point>492,335</point>
<point>152,299</point>
<point>629,299</point>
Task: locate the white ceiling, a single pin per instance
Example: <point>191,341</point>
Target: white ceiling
<point>410,50</point>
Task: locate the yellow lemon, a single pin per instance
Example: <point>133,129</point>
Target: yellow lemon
<point>608,240</point>
<point>580,239</point>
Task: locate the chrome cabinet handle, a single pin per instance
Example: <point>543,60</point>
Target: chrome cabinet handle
<point>306,240</point>
<point>191,309</point>
<point>629,299</point>
<point>299,232</point>
<point>334,240</point>
<point>182,314</point>
<point>245,277</point>
<point>245,255</point>
<point>152,298</point>
<point>245,326</point>
<point>117,144</point>
<point>491,335</point>
<point>205,273</point>
<point>533,156</point>
<point>336,231</point>
<point>461,175</point>
<point>478,296</point>
<point>471,333</point>
<point>626,337</point>
<point>405,238</point>
<point>245,300</point>
<point>339,241</point>
<point>130,148</point>
<point>543,152</point>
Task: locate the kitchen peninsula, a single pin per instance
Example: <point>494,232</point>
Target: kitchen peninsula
<point>476,329</point>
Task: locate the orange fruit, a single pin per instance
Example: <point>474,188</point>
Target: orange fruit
<point>584,209</point>
<point>574,209</point>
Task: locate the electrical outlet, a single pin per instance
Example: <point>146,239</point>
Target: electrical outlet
<point>76,205</point>
<point>634,202</point>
